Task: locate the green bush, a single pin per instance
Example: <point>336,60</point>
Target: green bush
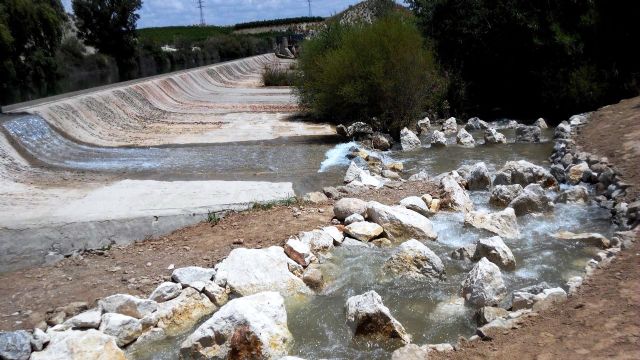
<point>357,72</point>
<point>278,76</point>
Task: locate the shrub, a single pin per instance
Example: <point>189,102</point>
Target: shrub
<point>357,72</point>
<point>278,76</point>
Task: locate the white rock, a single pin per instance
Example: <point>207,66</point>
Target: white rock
<point>367,316</point>
<point>410,352</point>
<point>193,276</point>
<point>80,345</point>
<point>441,348</point>
<point>548,298</point>
<point>576,194</point>
<point>576,172</point>
<point>317,240</point>
<point>477,176</point>
<point>577,120</point>
<point>438,139</point>
<point>299,252</point>
<point>254,327</point>
<point>177,316</point>
<point>532,199</point>
<point>15,345</point>
<point>496,251</point>
<point>356,175</point>
<point>400,223</point>
<point>351,242</point>
<point>348,206</point>
<point>476,124</point>
<point>39,339</point>
<point>459,199</point>
<point>502,223</point>
<point>353,218</point>
<point>250,271</point>
<point>364,231</point>
<point>524,173</point>
<point>127,305</point>
<point>464,138</point>
<point>335,233</point>
<point>484,286</point>
<point>414,259</point>
<point>450,126</point>
<point>493,136</point>
<point>89,319</point>
<point>591,239</point>
<point>216,293</point>
<point>124,328</point>
<point>502,195</point>
<point>541,123</point>
<point>416,204</point>
<point>424,125</point>
<point>165,291</point>
<point>315,197</point>
<point>408,140</point>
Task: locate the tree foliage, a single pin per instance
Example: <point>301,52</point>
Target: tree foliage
<point>110,26</point>
<point>357,72</point>
<point>534,57</point>
<point>30,34</point>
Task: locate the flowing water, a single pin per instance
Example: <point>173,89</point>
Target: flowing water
<point>430,311</point>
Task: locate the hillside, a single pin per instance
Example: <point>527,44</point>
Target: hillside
<point>169,34</point>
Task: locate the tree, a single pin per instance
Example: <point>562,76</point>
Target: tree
<point>534,57</point>
<point>110,27</point>
<point>30,33</point>
<point>357,72</point>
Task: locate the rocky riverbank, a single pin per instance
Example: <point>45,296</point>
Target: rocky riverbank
<point>246,291</point>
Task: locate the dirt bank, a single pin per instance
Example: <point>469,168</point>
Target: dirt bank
<point>26,296</point>
<point>603,319</point>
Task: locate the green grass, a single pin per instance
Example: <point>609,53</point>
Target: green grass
<point>271,204</point>
<point>213,218</point>
<point>169,34</point>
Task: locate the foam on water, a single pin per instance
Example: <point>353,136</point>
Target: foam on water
<point>337,156</point>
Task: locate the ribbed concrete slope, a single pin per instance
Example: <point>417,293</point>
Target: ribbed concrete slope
<point>219,103</point>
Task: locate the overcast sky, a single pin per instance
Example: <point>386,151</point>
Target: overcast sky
<point>228,12</point>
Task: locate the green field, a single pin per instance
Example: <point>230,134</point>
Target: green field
<point>167,35</point>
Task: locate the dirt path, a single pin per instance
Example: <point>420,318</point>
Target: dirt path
<point>603,319</point>
<point>26,296</point>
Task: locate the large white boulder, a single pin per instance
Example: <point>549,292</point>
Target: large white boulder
<point>416,204</point>
<point>400,223</point>
<point>450,126</point>
<point>496,251</point>
<point>15,345</point>
<point>541,124</point>
<point>484,286</point>
<point>533,199</point>
<point>537,297</point>
<point>464,138</point>
<point>502,223</point>
<point>193,276</point>
<point>367,316</point>
<point>493,136</point>
<point>413,259</point>
<point>502,195</point>
<point>424,125</point>
<point>166,291</point>
<point>89,319</point>
<point>299,252</point>
<point>477,176</point>
<point>411,352</point>
<point>357,175</point>
<point>528,134</point>
<point>128,305</point>
<point>408,140</point>
<point>476,124</point>
<point>317,240</point>
<point>576,173</point>
<point>346,207</point>
<point>80,345</point>
<point>176,316</point>
<point>250,271</point>
<point>364,231</point>
<point>524,173</point>
<point>591,239</point>
<point>251,327</point>
<point>575,194</point>
<point>124,328</point>
<point>438,139</point>
<point>458,198</point>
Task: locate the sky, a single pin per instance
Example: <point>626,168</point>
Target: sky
<point>228,12</point>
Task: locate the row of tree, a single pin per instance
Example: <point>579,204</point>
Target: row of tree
<point>44,51</point>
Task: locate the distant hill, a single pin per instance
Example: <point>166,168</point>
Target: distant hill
<point>367,11</point>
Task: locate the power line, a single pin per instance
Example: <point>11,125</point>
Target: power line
<point>309,1</point>
<point>201,7</point>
